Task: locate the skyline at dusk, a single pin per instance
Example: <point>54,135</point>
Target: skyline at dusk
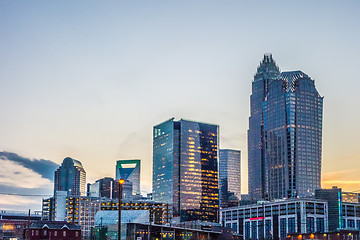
<point>90,80</point>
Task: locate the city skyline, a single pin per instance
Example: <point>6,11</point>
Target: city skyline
<point>91,88</point>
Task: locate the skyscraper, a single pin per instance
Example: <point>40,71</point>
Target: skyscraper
<point>229,176</point>
<point>70,177</point>
<point>129,170</point>
<point>293,131</point>
<point>185,169</point>
<point>285,134</point>
<point>266,73</point>
<point>103,187</point>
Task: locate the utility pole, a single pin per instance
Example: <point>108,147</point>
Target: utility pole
<point>121,181</point>
<point>27,232</point>
<point>28,223</point>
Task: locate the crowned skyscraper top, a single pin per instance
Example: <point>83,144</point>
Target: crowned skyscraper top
<point>70,177</point>
<point>129,170</point>
<point>267,72</point>
<point>285,134</point>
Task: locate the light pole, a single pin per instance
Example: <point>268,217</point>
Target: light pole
<point>121,181</point>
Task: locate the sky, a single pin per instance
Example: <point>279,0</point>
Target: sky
<point>89,80</point>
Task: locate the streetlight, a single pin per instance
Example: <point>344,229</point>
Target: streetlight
<point>121,182</point>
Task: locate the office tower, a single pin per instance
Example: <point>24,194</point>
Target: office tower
<point>185,169</point>
<point>103,187</point>
<point>229,176</point>
<point>93,189</point>
<point>70,177</point>
<point>129,170</point>
<point>267,72</point>
<point>293,132</point>
<point>127,191</point>
<point>334,198</point>
<point>285,134</point>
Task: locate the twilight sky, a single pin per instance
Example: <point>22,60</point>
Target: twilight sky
<point>89,79</point>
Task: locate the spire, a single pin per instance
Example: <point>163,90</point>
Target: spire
<point>267,58</point>
<point>267,68</point>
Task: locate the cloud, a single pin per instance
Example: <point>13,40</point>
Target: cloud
<point>17,200</point>
<point>20,203</point>
<point>45,168</point>
<point>22,176</point>
<point>13,174</point>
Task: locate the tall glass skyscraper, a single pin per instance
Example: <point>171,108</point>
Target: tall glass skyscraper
<point>185,169</point>
<point>70,177</point>
<point>129,170</point>
<point>287,154</point>
<point>293,129</point>
<point>266,73</point>
<point>229,176</point>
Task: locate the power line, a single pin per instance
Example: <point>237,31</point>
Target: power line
<point>26,195</point>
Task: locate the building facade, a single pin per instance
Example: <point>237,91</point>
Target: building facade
<point>81,210</point>
<point>185,169</point>
<point>70,177</point>
<point>285,134</point>
<point>159,213</point>
<point>266,73</point>
<point>134,229</point>
<point>54,208</point>
<point>129,170</point>
<point>52,230</point>
<point>13,223</point>
<point>276,219</point>
<point>229,176</point>
<point>344,208</point>
<point>293,130</point>
<point>104,187</point>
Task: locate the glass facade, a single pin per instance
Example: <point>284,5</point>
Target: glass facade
<point>285,134</point>
<point>267,72</point>
<point>129,170</point>
<point>286,216</point>
<point>185,169</point>
<point>70,177</point>
<point>293,131</point>
<point>229,176</point>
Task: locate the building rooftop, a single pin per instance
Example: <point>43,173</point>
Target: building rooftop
<point>54,225</point>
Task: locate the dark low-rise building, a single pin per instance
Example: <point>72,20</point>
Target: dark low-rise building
<point>147,231</point>
<point>13,223</point>
<point>159,213</point>
<point>336,235</point>
<point>53,231</point>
